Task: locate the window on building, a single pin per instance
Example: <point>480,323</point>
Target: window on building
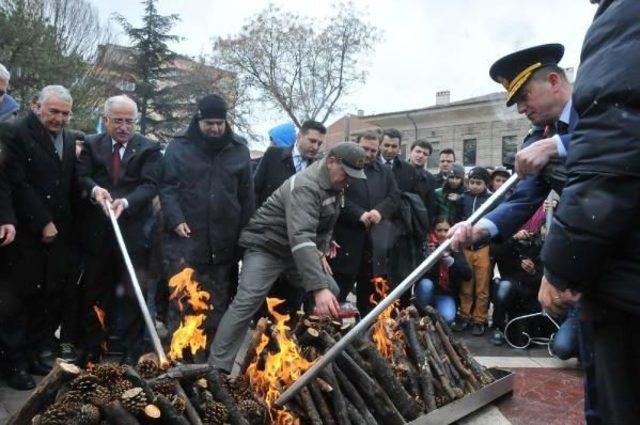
<point>509,148</point>
<point>469,152</point>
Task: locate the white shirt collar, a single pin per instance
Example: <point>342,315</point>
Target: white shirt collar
<point>113,143</point>
<point>296,152</point>
<point>565,116</point>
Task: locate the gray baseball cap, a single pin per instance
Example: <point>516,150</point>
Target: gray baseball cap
<point>352,158</point>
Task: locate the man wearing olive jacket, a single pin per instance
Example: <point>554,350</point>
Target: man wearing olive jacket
<point>290,234</point>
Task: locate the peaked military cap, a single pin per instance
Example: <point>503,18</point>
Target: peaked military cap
<point>515,69</point>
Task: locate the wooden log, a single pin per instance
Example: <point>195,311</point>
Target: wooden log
<point>221,393</point>
<point>116,414</point>
<point>406,405</point>
<point>183,371</point>
<point>437,365</point>
<point>321,403</point>
<point>170,415</point>
<point>337,398</point>
<point>354,416</point>
<point>190,411</point>
<point>324,385</point>
<point>309,407</point>
<point>454,357</point>
<point>410,372</point>
<point>256,338</point>
<point>478,370</point>
<point>379,400</point>
<point>151,411</point>
<point>420,358</point>
<point>353,395</point>
<point>132,376</point>
<point>45,392</point>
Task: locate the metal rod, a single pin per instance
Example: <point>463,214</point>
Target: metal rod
<point>366,321</point>
<point>155,339</point>
<point>549,216</point>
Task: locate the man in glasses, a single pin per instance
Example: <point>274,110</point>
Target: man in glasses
<point>116,167</point>
<point>40,166</point>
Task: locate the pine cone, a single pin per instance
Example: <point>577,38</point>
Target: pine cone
<point>134,400</point>
<point>253,411</point>
<point>85,383</point>
<point>215,413</point>
<point>119,387</point>
<point>148,368</point>
<point>59,414</point>
<point>89,415</point>
<point>240,388</point>
<point>166,387</point>
<point>71,396</point>
<point>179,403</point>
<point>100,396</point>
<point>109,372</point>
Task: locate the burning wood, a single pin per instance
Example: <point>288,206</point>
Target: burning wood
<point>190,335</point>
<point>407,365</point>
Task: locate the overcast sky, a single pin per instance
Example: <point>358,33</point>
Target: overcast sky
<point>428,45</point>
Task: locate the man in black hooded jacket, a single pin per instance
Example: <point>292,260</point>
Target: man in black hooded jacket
<point>207,196</point>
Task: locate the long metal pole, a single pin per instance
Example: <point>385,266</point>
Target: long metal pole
<point>155,339</point>
<point>366,321</point>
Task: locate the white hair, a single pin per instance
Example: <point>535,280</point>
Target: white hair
<point>119,99</point>
<point>54,91</point>
<point>4,74</point>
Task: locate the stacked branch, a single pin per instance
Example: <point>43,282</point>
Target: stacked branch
<point>425,368</point>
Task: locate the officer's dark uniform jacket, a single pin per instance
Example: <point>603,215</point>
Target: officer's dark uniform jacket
<point>297,220</point>
<point>594,243</point>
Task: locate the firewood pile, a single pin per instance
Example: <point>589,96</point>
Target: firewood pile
<point>404,367</point>
<point>123,395</point>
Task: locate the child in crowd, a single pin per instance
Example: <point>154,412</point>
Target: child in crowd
<point>447,196</point>
<point>474,293</point>
<point>439,286</point>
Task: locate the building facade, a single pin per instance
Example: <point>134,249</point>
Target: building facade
<point>481,130</point>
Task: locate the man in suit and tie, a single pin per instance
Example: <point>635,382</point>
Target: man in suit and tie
<point>362,227</point>
<point>117,167</point>
<point>281,162</point>
<point>40,166</point>
<point>277,165</point>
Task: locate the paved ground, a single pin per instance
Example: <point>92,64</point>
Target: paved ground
<point>547,391</point>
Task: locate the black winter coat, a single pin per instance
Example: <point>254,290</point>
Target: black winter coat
<point>211,191</point>
<point>137,184</point>
<point>274,168</point>
<point>43,191</point>
<point>379,191</point>
<point>7,215</point>
<point>594,242</point>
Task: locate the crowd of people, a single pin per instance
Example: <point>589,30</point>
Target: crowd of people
<point>313,225</point>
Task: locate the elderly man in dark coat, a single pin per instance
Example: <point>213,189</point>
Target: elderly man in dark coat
<point>363,230</point>
<point>41,166</point>
<point>117,166</point>
<point>207,197</point>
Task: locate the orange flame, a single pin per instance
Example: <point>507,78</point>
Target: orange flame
<point>102,319</point>
<point>280,369</point>
<point>189,334</point>
<point>382,335</point>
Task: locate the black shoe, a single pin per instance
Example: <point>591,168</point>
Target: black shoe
<point>68,352</point>
<point>38,367</point>
<point>459,325</point>
<point>497,337</point>
<point>19,379</point>
<point>478,329</point>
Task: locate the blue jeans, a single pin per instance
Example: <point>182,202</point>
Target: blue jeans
<point>424,292</point>
<point>565,343</point>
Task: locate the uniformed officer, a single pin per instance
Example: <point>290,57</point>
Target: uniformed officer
<point>290,234</point>
<point>542,92</point>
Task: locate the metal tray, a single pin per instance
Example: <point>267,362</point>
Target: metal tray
<point>460,408</point>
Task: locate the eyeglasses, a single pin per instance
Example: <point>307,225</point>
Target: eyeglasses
<point>120,121</point>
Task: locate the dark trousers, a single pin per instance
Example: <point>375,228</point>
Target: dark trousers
<point>32,285</point>
<point>102,274</point>
<point>616,345</point>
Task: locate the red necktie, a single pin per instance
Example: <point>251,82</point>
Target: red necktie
<point>115,163</point>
